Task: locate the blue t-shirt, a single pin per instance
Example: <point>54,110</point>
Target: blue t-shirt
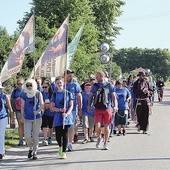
<point>58,99</point>
<point>53,87</point>
<point>122,95</point>
<point>46,99</point>
<point>85,98</point>
<point>40,89</point>
<point>110,89</point>
<point>17,93</point>
<point>3,111</point>
<point>74,88</point>
<point>29,106</point>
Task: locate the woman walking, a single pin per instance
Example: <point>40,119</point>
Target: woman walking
<point>88,117</point>
<point>47,118</point>
<point>123,97</point>
<point>16,106</point>
<point>62,105</point>
<point>4,102</point>
<point>32,104</point>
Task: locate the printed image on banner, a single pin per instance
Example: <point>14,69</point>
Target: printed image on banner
<point>24,45</point>
<point>53,60</point>
<point>58,44</point>
<point>51,68</point>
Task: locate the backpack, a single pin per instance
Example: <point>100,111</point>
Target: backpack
<point>3,102</point>
<point>18,102</point>
<point>101,97</point>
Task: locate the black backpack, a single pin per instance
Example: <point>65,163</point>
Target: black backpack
<point>101,97</point>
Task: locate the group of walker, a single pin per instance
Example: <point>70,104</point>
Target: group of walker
<point>99,103</point>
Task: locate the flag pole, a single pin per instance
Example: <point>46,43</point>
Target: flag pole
<point>65,72</point>
<point>34,63</point>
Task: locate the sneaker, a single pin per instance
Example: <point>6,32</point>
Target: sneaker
<point>111,135</point>
<point>30,154</point>
<point>105,146</point>
<point>98,143</point>
<point>75,138</point>
<point>85,141</point>
<point>45,142</point>
<point>144,132</point>
<point>63,156</point>
<point>124,132</point>
<point>70,147</point>
<point>49,141</point>
<point>119,133</point>
<point>114,132</point>
<point>138,128</point>
<point>34,156</point>
<point>21,143</point>
<point>60,150</point>
<point>91,139</point>
<point>1,156</point>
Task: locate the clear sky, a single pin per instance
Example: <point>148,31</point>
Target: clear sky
<point>11,11</point>
<point>146,23</point>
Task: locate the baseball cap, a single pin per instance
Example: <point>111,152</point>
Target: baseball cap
<point>68,71</point>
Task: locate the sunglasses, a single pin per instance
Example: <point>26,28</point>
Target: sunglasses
<point>44,87</point>
<point>28,85</point>
<point>19,84</point>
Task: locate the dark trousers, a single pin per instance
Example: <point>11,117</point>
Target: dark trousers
<point>62,136</point>
<point>143,115</point>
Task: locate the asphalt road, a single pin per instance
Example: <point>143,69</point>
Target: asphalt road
<point>135,151</point>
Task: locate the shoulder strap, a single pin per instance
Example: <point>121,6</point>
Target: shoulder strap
<point>37,94</point>
<point>4,96</point>
<point>107,85</point>
<point>54,94</point>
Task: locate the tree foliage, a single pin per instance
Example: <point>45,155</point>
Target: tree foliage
<point>157,60</point>
<point>99,17</point>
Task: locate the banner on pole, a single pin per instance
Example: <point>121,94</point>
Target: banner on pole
<point>24,45</point>
<point>52,62</point>
<point>72,47</point>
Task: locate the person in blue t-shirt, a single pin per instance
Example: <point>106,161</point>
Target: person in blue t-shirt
<point>4,105</point>
<point>123,97</point>
<point>32,105</point>
<point>16,106</point>
<point>75,89</point>
<point>39,84</point>
<point>102,95</point>
<point>88,117</point>
<point>47,118</point>
<point>61,106</point>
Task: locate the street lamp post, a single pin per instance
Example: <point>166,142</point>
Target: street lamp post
<point>106,57</point>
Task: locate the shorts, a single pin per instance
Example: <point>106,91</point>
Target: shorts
<point>103,116</point>
<point>74,118</point>
<point>47,121</point>
<point>88,121</point>
<point>18,115</point>
<point>121,117</point>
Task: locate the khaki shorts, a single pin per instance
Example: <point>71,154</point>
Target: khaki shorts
<point>88,121</point>
<point>18,115</point>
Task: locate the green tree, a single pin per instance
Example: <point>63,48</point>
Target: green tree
<point>53,13</point>
<point>106,12</point>
<point>157,60</point>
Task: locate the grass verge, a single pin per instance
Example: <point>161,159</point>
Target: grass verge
<point>11,138</point>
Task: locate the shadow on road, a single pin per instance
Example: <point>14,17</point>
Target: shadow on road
<point>164,103</point>
<point>6,164</point>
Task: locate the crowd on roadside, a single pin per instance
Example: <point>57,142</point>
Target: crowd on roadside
<point>104,107</point>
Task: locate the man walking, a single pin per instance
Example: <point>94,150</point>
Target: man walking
<point>75,89</point>
<point>103,94</point>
